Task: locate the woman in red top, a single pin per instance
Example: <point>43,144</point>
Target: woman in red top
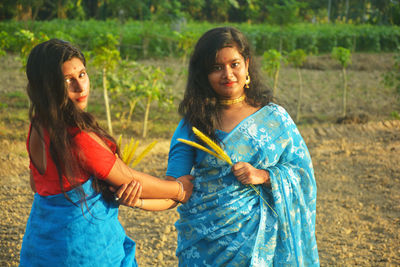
<point>74,162</point>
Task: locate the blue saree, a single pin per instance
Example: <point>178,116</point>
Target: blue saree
<point>58,233</point>
<point>226,223</point>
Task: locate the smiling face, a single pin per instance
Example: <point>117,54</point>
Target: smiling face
<point>228,74</point>
<point>77,81</point>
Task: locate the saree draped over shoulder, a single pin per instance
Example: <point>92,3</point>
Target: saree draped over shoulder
<point>226,223</point>
<point>59,233</point>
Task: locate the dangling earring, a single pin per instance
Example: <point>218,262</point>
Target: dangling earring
<point>247,83</point>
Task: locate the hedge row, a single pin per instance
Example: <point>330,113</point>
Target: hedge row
<point>150,39</point>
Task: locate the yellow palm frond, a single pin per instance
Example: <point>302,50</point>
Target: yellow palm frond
<point>213,145</point>
<point>128,151</point>
<point>131,150</point>
<point>196,145</point>
<point>119,141</point>
<point>144,152</point>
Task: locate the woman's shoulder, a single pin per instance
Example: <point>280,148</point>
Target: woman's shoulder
<point>277,113</point>
<point>275,110</point>
<point>184,126</point>
<point>183,130</point>
<point>89,139</point>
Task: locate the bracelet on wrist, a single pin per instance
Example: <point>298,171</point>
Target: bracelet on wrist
<point>140,204</point>
<point>180,192</point>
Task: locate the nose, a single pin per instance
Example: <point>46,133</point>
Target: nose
<point>77,86</point>
<point>228,72</point>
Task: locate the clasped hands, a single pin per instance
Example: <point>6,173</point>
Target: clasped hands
<point>129,194</point>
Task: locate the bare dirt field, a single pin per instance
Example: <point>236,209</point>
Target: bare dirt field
<point>356,167</point>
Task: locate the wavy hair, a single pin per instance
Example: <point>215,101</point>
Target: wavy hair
<point>199,106</point>
<point>51,108</point>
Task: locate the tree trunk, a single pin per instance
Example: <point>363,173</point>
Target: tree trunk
<point>346,13</point>
<point>132,105</point>
<point>146,116</point>
<point>344,92</point>
<point>300,92</point>
<point>61,13</point>
<point>105,93</point>
<point>363,20</point>
<point>276,77</point>
<point>329,10</point>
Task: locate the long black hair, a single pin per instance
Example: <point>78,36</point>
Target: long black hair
<point>51,108</point>
<point>199,106</point>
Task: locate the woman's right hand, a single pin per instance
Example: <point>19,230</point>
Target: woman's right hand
<point>186,181</point>
<point>128,194</point>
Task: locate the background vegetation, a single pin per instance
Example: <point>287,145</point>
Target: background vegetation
<point>138,50</point>
<point>144,39</point>
<point>280,12</point>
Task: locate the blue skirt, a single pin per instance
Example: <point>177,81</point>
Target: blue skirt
<point>59,233</point>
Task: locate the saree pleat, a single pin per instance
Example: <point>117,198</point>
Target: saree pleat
<point>61,233</point>
<point>226,223</point>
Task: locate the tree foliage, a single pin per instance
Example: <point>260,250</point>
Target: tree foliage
<point>281,12</point>
<point>272,62</point>
<point>28,40</point>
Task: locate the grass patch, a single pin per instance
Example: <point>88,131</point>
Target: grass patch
<point>16,99</point>
<point>395,115</point>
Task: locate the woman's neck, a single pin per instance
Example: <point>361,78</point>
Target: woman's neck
<point>229,102</point>
<point>232,115</point>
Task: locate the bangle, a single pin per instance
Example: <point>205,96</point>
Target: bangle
<point>141,204</point>
<point>181,191</point>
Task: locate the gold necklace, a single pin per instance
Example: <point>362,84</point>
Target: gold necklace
<point>228,102</point>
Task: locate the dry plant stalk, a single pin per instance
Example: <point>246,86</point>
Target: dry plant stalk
<point>213,145</point>
<point>128,151</point>
<point>196,145</point>
<point>219,153</point>
<point>143,154</point>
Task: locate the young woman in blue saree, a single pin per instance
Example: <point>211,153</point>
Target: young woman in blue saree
<point>226,222</point>
<point>74,162</point>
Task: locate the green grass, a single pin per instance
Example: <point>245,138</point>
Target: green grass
<point>14,99</point>
<point>395,115</point>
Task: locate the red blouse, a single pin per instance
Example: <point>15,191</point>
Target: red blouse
<point>93,160</point>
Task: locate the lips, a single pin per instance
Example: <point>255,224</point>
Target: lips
<point>229,84</point>
<point>81,99</point>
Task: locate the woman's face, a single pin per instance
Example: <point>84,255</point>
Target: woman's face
<point>77,81</point>
<point>228,75</point>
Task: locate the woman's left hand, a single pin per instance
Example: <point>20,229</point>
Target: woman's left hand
<point>247,174</point>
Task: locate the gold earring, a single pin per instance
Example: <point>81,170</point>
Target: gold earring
<point>247,83</point>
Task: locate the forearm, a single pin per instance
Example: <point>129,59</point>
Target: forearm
<point>157,204</point>
<point>155,188</point>
<point>152,187</point>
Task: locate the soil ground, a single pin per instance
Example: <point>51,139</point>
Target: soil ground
<point>356,167</point>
